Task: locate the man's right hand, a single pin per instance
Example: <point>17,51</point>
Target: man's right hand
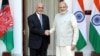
<point>47,32</point>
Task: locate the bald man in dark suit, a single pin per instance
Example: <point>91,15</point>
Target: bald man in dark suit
<point>39,39</point>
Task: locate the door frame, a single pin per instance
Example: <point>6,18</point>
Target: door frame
<point>24,29</point>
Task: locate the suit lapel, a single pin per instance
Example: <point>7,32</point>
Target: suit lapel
<point>38,21</point>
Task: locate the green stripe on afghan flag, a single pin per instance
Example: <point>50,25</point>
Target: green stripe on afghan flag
<point>8,40</point>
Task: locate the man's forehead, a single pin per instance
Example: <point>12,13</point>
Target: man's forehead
<point>63,4</point>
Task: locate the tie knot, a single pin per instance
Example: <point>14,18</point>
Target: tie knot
<point>40,16</point>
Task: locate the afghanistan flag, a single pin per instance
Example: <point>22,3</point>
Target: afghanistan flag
<point>6,25</point>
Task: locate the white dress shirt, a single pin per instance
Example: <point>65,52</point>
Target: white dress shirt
<point>66,29</point>
<point>40,19</point>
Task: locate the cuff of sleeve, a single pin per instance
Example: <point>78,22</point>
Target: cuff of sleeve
<point>51,31</point>
<point>74,43</point>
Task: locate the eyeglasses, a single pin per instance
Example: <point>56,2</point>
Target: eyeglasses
<point>41,7</point>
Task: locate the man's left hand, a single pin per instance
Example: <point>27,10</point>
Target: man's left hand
<point>72,47</point>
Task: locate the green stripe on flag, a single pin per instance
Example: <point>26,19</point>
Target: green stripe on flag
<point>8,39</point>
<point>81,42</point>
<point>94,38</point>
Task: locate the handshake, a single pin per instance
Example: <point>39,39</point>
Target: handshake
<point>47,32</point>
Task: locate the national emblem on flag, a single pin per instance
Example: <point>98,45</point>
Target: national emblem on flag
<point>6,25</point>
<point>81,21</point>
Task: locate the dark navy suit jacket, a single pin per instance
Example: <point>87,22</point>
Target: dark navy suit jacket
<point>36,32</point>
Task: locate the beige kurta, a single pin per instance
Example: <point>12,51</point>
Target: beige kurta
<point>64,51</point>
<point>66,29</point>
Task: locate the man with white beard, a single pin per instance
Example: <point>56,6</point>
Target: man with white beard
<point>65,25</point>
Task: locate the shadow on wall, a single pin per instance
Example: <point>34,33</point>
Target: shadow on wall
<point>2,47</point>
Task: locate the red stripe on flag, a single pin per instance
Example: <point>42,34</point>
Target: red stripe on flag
<point>81,4</point>
<point>97,4</point>
<point>6,21</point>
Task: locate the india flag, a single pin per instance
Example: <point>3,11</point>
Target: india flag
<point>81,21</point>
<point>94,33</point>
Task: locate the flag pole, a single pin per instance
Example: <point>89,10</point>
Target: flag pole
<point>6,54</point>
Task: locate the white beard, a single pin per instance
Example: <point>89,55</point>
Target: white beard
<point>63,12</point>
<point>40,12</point>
